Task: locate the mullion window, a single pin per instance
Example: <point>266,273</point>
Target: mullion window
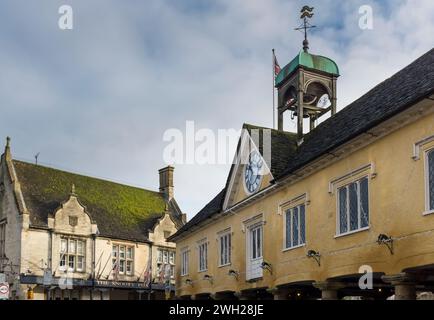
<point>72,255</point>
<point>295,224</point>
<point>225,249</point>
<point>430,180</point>
<point>353,206</point>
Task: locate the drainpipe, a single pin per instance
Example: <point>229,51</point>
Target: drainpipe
<point>150,271</point>
<point>93,265</point>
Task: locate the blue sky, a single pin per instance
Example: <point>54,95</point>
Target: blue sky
<point>97,99</point>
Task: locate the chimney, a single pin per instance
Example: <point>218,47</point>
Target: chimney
<point>166,182</point>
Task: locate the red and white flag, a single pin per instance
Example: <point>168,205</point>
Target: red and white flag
<point>277,68</point>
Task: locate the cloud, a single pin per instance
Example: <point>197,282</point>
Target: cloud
<point>98,99</point>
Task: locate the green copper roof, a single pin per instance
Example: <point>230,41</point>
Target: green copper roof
<point>309,61</point>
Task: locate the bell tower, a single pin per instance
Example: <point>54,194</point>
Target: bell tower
<point>306,87</point>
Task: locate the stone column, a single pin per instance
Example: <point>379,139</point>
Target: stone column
<point>280,293</point>
<point>329,289</point>
<point>227,295</point>
<point>245,295</point>
<point>405,285</point>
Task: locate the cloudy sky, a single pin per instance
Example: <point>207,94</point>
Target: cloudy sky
<point>97,99</point>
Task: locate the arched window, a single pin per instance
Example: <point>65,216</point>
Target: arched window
<point>430,191</point>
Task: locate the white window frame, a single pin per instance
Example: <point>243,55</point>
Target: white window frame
<point>202,254</point>
<point>185,256</point>
<point>122,261</point>
<point>290,211</point>
<point>338,225</point>
<point>428,209</point>
<point>65,258</point>
<point>225,256</point>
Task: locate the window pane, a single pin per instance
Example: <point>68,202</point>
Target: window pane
<point>63,245</point>
<point>172,257</point>
<point>122,266</point>
<point>80,263</point>
<point>431,179</point>
<point>160,256</point>
<point>129,253</point>
<point>364,203</point>
<point>122,252</point>
<point>253,244</point>
<point>259,248</point>
<point>343,222</point>
<point>62,261</point>
<point>80,247</point>
<point>115,251</point>
<point>72,246</point>
<point>129,267</point>
<point>229,247</point>
<point>302,225</point>
<point>165,256</point>
<point>354,214</point>
<point>295,227</point>
<point>288,229</point>
<point>71,262</point>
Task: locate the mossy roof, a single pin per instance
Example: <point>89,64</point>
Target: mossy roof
<point>120,211</point>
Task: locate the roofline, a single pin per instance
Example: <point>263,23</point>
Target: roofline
<point>86,176</point>
<point>361,131</point>
<point>280,181</point>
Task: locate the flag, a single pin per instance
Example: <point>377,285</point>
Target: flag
<point>147,277</point>
<point>116,271</point>
<point>277,68</point>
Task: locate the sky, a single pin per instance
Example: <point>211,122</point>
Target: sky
<point>98,99</point>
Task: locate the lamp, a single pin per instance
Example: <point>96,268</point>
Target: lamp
<point>209,278</point>
<point>386,240</point>
<point>267,266</point>
<point>315,255</point>
<point>234,274</point>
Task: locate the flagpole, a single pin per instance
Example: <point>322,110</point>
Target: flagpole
<point>274,83</point>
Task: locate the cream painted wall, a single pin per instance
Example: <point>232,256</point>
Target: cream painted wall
<point>397,203</point>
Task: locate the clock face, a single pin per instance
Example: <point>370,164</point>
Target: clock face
<point>324,102</point>
<point>253,172</point>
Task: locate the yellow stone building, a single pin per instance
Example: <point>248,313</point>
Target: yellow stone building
<point>319,214</point>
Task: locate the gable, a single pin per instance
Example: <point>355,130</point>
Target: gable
<point>120,211</point>
<point>274,148</point>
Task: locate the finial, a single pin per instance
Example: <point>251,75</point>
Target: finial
<point>306,13</point>
<point>73,190</point>
<point>8,142</point>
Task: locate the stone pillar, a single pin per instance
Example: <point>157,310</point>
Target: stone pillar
<point>329,289</point>
<point>405,285</point>
<point>280,293</point>
<point>227,295</point>
<point>245,295</point>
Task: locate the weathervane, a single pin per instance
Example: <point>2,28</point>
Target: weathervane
<point>306,13</point>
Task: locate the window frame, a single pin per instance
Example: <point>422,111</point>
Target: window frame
<point>221,235</point>
<point>185,263</point>
<point>347,185</point>
<point>202,254</point>
<point>428,209</point>
<point>122,261</point>
<point>290,210</point>
<point>68,257</point>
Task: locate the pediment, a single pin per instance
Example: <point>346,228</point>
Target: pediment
<point>245,181</point>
